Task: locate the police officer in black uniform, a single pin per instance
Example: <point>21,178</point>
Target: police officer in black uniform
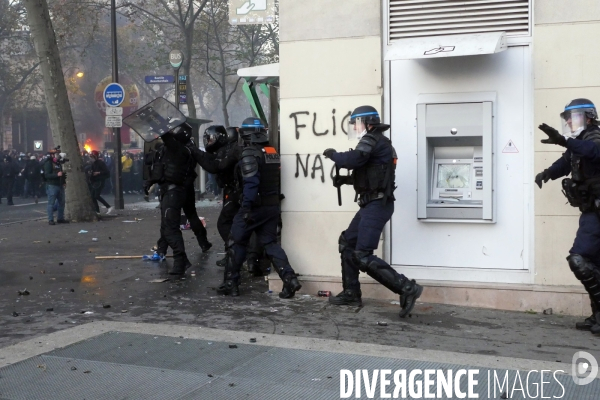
<point>581,138</point>
<point>260,212</point>
<point>173,169</point>
<point>373,163</point>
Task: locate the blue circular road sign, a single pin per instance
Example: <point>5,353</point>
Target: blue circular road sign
<point>114,94</point>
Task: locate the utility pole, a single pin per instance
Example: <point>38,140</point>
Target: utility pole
<point>119,203</point>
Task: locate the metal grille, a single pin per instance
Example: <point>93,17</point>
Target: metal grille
<point>416,18</point>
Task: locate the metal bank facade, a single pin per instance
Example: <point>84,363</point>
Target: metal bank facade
<point>463,85</point>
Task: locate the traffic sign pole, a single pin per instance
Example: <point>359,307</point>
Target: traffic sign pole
<point>119,203</point>
<point>176,59</point>
<point>177,88</point>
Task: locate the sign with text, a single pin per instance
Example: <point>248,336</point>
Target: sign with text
<point>114,94</point>
<point>176,58</point>
<point>158,79</point>
<point>113,121</point>
<point>114,111</point>
<point>245,12</point>
<point>182,89</point>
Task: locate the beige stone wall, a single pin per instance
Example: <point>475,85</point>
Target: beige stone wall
<point>565,67</point>
<point>330,59</point>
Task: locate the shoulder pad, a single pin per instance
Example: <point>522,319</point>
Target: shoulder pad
<point>249,163</point>
<point>592,134</point>
<point>367,143</point>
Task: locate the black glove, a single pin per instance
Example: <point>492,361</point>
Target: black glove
<point>342,180</point>
<point>247,215</point>
<point>327,153</point>
<point>543,176</point>
<point>554,137</point>
<point>147,187</point>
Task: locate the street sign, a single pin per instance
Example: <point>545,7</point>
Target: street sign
<point>182,81</point>
<point>114,94</point>
<point>150,80</point>
<point>176,58</point>
<point>244,12</point>
<point>38,145</point>
<point>113,121</point>
<point>114,111</point>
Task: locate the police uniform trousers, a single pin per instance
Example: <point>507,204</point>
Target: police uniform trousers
<point>231,206</point>
<point>172,201</point>
<point>363,235</point>
<point>587,240</point>
<point>263,220</point>
<point>189,209</point>
<point>7,186</point>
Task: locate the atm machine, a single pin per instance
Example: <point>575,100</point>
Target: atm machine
<point>455,161</point>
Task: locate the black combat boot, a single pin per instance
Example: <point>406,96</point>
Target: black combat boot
<point>290,287</point>
<point>587,323</point>
<point>179,268</point>
<point>229,288</point>
<point>205,245</point>
<point>222,262</point>
<point>411,291</point>
<point>348,297</point>
<point>254,267</point>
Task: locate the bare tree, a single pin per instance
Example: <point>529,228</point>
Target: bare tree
<point>174,21</point>
<point>225,48</point>
<point>78,199</point>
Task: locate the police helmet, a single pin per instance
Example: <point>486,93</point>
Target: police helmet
<point>575,117</point>
<point>583,105</point>
<point>182,133</point>
<point>215,137</point>
<point>254,128</point>
<point>232,134</point>
<point>360,119</point>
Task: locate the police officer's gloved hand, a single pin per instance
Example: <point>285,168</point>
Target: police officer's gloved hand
<point>247,215</point>
<point>147,187</point>
<point>342,180</point>
<point>554,136</point>
<point>327,153</point>
<point>543,176</point>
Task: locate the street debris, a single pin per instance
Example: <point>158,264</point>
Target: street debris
<point>158,280</point>
<point>87,372</point>
<point>252,340</point>
<point>395,302</point>
<point>548,311</point>
<point>94,239</point>
<point>87,312</point>
<point>123,311</point>
<point>73,368</point>
<point>15,314</point>
<point>72,290</point>
<point>105,305</point>
<point>50,309</point>
<point>82,231</point>
<point>233,346</point>
<point>23,292</point>
<point>42,366</point>
<point>381,323</point>
<point>324,293</point>
<point>143,257</point>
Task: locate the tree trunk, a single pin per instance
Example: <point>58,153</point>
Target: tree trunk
<point>78,198</point>
<point>187,62</point>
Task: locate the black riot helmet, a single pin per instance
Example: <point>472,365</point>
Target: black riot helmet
<point>360,119</point>
<point>575,117</point>
<point>232,134</point>
<point>256,129</point>
<point>215,137</point>
<point>182,133</point>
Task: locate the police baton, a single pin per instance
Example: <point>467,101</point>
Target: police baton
<point>339,188</point>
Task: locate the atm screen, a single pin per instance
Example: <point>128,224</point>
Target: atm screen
<point>453,176</point>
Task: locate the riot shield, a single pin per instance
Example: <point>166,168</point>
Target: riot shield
<point>155,119</point>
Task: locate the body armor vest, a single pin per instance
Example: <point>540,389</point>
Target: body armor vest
<point>168,169</point>
<point>582,190</point>
<point>225,178</point>
<point>376,178</point>
<point>270,172</point>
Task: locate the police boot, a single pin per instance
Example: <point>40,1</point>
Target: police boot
<point>254,267</point>
<point>179,267</point>
<point>411,291</point>
<point>589,322</point>
<point>348,297</point>
<point>290,287</point>
<point>205,245</point>
<point>229,288</point>
<point>222,262</point>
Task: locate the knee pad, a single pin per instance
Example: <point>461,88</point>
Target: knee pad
<point>360,259</point>
<point>342,242</point>
<point>582,268</point>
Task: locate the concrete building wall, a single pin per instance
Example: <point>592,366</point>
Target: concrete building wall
<point>330,63</point>
<point>564,68</point>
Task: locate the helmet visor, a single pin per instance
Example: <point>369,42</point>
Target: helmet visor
<point>155,119</point>
<point>357,128</point>
<point>573,122</point>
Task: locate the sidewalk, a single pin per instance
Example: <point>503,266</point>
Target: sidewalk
<point>56,265</point>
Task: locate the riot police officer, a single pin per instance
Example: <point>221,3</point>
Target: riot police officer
<point>373,164</point>
<point>260,212</point>
<point>581,138</point>
<point>172,169</point>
